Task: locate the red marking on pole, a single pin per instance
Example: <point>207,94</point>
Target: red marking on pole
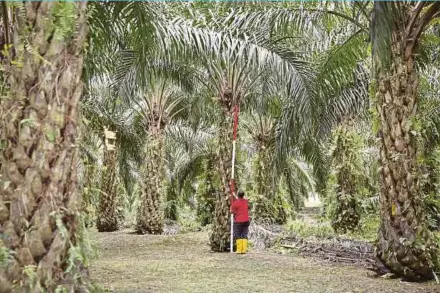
<point>234,137</point>
<point>236,111</point>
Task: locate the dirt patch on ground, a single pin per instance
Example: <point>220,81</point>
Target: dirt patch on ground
<point>184,263</point>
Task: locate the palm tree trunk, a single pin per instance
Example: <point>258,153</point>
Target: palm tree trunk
<point>39,196</point>
<point>88,206</point>
<point>405,244</point>
<point>262,209</point>
<point>265,208</point>
<point>172,195</point>
<point>107,218</point>
<point>219,239</point>
<point>207,191</point>
<point>150,214</point>
<point>268,204</point>
<point>345,215</point>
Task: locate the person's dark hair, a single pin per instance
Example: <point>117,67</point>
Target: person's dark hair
<point>240,194</point>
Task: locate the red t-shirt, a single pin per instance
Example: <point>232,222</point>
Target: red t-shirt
<point>240,210</point>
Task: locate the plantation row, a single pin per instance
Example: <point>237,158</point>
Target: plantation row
<point>120,114</point>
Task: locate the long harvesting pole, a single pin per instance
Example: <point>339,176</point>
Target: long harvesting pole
<point>232,182</point>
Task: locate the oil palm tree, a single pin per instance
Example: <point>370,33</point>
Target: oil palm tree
<point>156,106</point>
<point>405,244</point>
<point>104,111</point>
<point>40,118</point>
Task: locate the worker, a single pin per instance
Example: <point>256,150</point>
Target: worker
<point>240,209</point>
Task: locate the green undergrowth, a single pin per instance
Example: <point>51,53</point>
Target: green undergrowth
<point>305,229</point>
<point>369,225</point>
<point>187,221</point>
<point>367,230</point>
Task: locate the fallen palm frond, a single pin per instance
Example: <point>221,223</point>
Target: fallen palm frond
<point>333,249</point>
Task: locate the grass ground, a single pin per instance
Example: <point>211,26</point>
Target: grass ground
<point>184,263</point>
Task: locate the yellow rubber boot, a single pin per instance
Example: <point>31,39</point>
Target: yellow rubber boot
<point>239,246</point>
<point>244,246</point>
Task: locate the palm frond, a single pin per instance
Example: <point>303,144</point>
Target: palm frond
<point>186,148</point>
